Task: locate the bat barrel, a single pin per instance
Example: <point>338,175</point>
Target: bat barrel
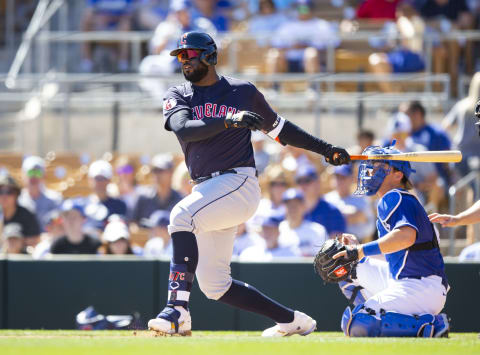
<point>442,156</point>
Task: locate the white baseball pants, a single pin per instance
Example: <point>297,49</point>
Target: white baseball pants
<point>212,212</point>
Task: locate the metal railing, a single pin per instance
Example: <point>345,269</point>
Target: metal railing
<point>471,178</point>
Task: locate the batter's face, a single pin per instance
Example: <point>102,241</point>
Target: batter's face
<point>192,68</point>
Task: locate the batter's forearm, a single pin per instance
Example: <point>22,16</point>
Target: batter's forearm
<point>295,136</point>
<point>471,215</point>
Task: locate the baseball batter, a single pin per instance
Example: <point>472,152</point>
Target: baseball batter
<point>404,295</point>
<point>213,117</point>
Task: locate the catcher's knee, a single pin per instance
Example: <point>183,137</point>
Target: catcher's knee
<point>352,292</point>
<point>180,220</point>
<point>363,322</point>
<point>214,289</point>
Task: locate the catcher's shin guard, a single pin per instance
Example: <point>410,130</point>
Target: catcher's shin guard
<point>363,322</point>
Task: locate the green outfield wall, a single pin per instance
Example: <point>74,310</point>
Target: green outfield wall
<point>48,294</point>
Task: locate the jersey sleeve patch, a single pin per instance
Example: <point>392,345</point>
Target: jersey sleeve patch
<point>169,103</point>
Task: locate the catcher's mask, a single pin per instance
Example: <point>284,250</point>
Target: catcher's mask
<point>201,42</point>
<point>371,173</point>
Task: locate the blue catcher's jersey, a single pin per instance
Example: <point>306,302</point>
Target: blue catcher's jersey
<point>230,148</point>
<point>399,208</point>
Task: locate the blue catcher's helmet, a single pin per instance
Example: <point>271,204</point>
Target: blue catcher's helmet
<point>371,173</point>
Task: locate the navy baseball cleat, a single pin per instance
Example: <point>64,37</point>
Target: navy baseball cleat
<point>442,326</point>
<point>172,321</point>
<point>302,324</point>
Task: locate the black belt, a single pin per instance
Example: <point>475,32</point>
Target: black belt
<point>217,173</point>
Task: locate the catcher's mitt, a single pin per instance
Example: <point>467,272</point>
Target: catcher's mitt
<point>334,270</point>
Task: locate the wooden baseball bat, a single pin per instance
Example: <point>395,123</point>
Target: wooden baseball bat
<point>441,156</point>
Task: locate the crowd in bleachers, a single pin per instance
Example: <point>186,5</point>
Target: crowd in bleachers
<point>120,204</point>
<point>289,45</point>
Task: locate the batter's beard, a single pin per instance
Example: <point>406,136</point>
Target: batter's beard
<point>197,74</point>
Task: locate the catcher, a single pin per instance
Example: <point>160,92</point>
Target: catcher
<point>403,295</point>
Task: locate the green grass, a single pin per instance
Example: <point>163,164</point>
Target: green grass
<point>20,342</point>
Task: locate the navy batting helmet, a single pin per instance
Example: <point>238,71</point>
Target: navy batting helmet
<point>201,41</point>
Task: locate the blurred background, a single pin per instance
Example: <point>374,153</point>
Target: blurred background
<point>87,167</point>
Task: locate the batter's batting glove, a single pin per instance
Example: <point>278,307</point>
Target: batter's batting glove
<point>244,119</point>
<point>337,156</point>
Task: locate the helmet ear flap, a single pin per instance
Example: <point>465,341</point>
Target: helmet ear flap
<point>209,57</point>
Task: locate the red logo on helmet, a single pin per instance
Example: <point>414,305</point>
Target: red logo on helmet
<point>183,40</point>
<point>340,272</point>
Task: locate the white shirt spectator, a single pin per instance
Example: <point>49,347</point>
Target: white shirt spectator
<point>308,237</point>
<point>314,32</point>
<point>247,240</point>
<point>470,253</point>
<point>265,208</point>
<point>259,253</point>
<point>350,205</point>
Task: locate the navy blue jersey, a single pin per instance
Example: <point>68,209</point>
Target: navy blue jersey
<point>398,208</point>
<point>228,149</point>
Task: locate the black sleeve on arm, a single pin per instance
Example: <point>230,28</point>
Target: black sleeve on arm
<point>189,130</point>
<point>293,135</point>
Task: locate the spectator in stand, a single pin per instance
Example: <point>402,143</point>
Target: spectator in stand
<point>117,238</point>
<point>261,157</point>
<point>13,239</point>
<point>365,138</point>
<point>317,208</point>
<point>445,16</point>
<point>14,213</point>
<point>75,241</point>
<point>181,179</point>
<point>357,210</point>
<point>126,186</point>
<point>164,40</point>
<point>245,239</point>
<point>53,230</point>
<point>210,10</point>
<point>470,254</point>
<point>106,15</point>
<point>296,230</point>
<point>99,205</point>
<point>300,44</point>
<point>402,55</point>
<point>160,196</point>
<point>269,247</point>
<point>466,138</point>
<point>274,183</point>
<point>35,196</point>
<point>428,135</point>
<point>456,11</point>
<point>425,179</point>
<point>150,13</point>
<point>377,9</point>
<point>159,244</point>
<point>267,20</point>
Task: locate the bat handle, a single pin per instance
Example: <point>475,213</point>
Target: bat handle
<point>358,157</point>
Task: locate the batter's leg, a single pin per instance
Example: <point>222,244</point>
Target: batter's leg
<point>215,281</point>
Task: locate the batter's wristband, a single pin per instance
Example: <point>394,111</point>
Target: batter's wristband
<point>371,248</point>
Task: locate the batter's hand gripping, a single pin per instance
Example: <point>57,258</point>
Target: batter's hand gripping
<point>244,119</point>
